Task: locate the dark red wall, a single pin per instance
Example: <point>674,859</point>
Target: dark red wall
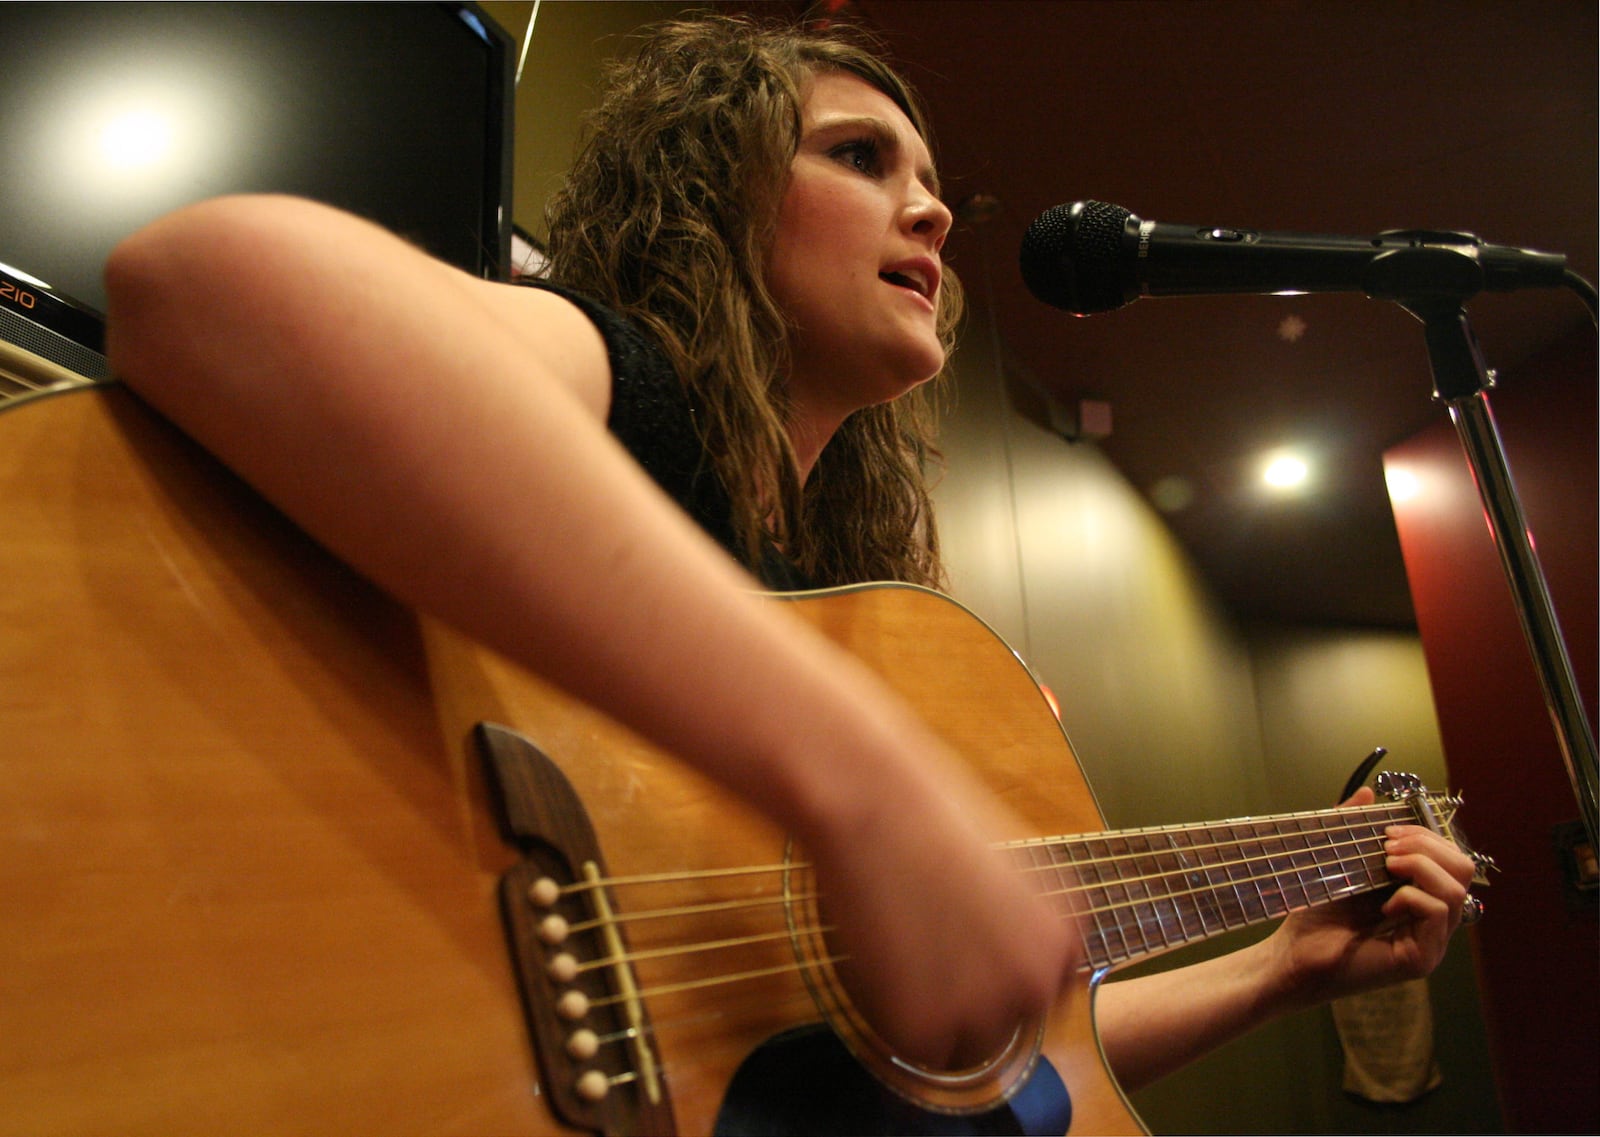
<point>1537,947</point>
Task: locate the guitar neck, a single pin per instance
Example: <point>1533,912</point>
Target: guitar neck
<point>1138,892</point>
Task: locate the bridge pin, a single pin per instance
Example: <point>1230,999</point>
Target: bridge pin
<point>562,968</point>
<point>583,1044</point>
<point>553,929</point>
<point>572,1006</point>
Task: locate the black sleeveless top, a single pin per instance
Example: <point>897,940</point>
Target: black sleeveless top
<point>653,416</point>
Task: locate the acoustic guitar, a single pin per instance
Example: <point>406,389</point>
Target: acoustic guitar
<point>278,856</point>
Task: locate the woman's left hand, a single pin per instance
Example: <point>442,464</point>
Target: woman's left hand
<point>1340,949</point>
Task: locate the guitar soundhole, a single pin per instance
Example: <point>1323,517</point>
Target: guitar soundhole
<point>804,1081</point>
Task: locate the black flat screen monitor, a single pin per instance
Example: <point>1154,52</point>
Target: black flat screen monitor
<point>118,113</point>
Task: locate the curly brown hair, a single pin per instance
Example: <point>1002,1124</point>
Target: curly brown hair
<point>667,216</point>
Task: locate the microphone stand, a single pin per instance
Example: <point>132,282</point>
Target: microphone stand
<point>1461,383</point>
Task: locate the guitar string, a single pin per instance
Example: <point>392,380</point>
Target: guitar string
<point>1280,865</point>
<point>1355,875</point>
<point>718,980</point>
<point>1134,905</point>
<point>764,901</point>
<point>1350,818</point>
<point>1342,821</point>
<point>691,949</point>
<point>1049,843</point>
<point>658,990</point>
<point>1345,821</point>
<point>680,876</point>
<point>1160,873</point>
<point>1270,874</point>
<point>659,1027</point>
<point>796,966</point>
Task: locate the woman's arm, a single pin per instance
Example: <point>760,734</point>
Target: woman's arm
<point>1156,1023</point>
<point>445,437</point>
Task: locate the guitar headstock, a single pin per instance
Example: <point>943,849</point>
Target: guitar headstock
<point>1437,812</point>
<point>1482,863</point>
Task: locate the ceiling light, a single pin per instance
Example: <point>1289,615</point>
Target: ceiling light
<point>136,139</point>
<point>1285,471</point>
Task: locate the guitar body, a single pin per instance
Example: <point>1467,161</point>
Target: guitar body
<point>249,862</point>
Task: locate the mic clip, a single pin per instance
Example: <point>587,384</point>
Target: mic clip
<point>1427,266</point>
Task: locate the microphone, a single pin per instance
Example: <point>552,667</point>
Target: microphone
<point>1090,257</point>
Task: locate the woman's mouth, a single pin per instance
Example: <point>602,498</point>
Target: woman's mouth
<point>919,279</point>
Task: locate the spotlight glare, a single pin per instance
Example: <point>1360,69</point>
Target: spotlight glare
<point>1285,472</point>
<point>136,139</point>
<point>1403,483</point>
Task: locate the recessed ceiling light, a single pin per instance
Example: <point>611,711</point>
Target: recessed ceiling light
<point>1285,471</point>
<point>135,139</point>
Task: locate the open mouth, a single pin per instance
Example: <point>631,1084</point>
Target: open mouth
<point>903,280</point>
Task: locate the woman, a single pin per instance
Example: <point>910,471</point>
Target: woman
<point>761,209</point>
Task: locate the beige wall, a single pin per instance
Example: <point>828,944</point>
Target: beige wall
<point>1046,541</point>
<point>571,40</point>
<point>1326,699</point>
<point>1178,714</point>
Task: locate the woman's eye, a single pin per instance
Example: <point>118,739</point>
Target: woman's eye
<point>862,156</point>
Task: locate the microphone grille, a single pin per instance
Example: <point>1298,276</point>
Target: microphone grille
<point>1071,256</point>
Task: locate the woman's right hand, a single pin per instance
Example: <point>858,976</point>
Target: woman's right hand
<point>950,948</point>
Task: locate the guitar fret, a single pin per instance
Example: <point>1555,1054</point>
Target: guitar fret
<point>1097,944</point>
<point>1129,918</point>
<point>1143,891</point>
<point>1281,862</point>
<point>1354,872</point>
<point>1290,856</point>
<point>1247,893</point>
<point>1167,898</point>
<point>1157,900</point>
<point>1061,883</point>
<point>1188,894</point>
<point>1068,887</point>
<point>1137,906</point>
<point>1373,861</point>
<point>1338,835</point>
<point>1197,884</point>
<point>1310,859</point>
<point>1234,914</point>
<point>1241,867</point>
<point>1135,894</point>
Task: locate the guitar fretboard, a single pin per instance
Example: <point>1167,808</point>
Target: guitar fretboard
<point>1138,892</point>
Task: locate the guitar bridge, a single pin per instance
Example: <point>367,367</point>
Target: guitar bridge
<point>588,1025</point>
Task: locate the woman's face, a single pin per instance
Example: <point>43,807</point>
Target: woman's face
<point>855,260</point>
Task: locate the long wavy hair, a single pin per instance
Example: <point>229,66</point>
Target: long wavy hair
<point>668,215</point>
